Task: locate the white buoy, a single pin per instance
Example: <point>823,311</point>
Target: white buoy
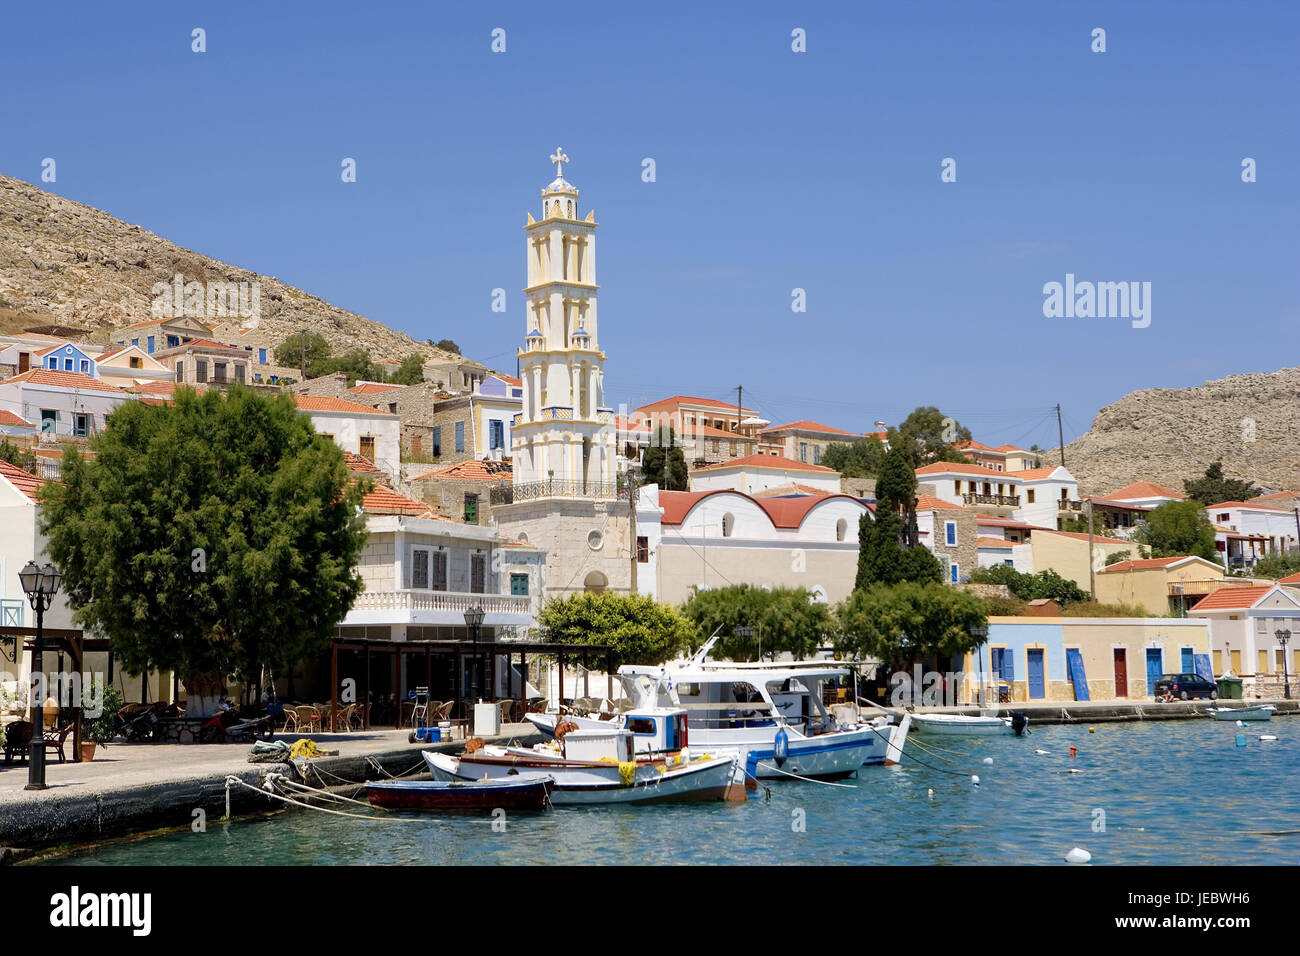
<point>1078,855</point>
<point>930,793</point>
<point>1042,751</point>
<point>975,779</point>
<point>987,761</point>
<point>1268,736</point>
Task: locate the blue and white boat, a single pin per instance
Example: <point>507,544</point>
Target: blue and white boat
<point>771,715</point>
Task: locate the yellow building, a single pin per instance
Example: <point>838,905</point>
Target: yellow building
<point>1066,553</point>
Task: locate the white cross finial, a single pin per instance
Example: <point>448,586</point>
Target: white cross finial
<point>559,159</point>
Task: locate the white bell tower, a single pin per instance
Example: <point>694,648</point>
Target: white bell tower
<point>564,440</point>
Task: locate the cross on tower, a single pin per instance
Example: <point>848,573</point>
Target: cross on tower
<point>559,159</point>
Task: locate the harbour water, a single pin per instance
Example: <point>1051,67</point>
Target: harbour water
<point>1172,792</point>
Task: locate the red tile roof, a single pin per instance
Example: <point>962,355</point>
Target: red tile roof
<point>1145,489</point>
<point>777,462</point>
<point>1004,523</point>
<point>206,344</point>
<point>1015,448</point>
<point>784,513</point>
<point>370,388</point>
<point>1002,543</point>
<point>1230,598</point>
<point>1031,474</point>
<point>689,400</point>
<point>359,465</point>
<point>1277,495</point>
<point>808,426</point>
<point>385,501</point>
<point>483,469</point>
<point>931,503</point>
<point>24,481</point>
<point>1144,564</point>
<point>960,468</point>
<point>9,418</point>
<point>45,376</point>
<point>511,380</point>
<point>1290,579</point>
<point>1113,503</point>
<point>627,425</point>
<point>327,403</point>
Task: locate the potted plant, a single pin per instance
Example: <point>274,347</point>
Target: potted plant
<point>103,728</point>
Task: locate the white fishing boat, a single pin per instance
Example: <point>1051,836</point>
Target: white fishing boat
<point>771,716</point>
<point>962,725</point>
<point>1255,712</point>
<point>597,782</point>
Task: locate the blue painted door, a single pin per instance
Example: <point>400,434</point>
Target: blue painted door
<point>1189,663</point>
<point>1037,682</point>
<point>1153,668</point>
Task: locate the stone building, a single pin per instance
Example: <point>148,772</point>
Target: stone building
<point>462,491</point>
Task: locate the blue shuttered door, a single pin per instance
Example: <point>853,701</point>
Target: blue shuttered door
<point>1203,669</point>
<point>1037,683</point>
<point>1189,664</point>
<point>1074,666</point>
<point>1153,668</point>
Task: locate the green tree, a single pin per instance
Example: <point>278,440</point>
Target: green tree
<point>1214,487</point>
<point>447,345</point>
<point>410,372</point>
<point>1032,587</point>
<point>888,551</point>
<point>1277,565</point>
<point>356,365</point>
<point>1176,528</point>
<point>785,620</point>
<point>216,536</point>
<point>638,629</point>
<point>663,463</point>
<point>860,458</point>
<point>1079,525</point>
<point>290,352</point>
<point>908,622</point>
<point>23,458</point>
<point>925,433</point>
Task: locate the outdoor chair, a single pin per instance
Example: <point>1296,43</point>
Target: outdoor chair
<point>536,706</point>
<point>308,718</point>
<point>55,739</point>
<point>444,711</point>
<point>290,718</point>
<point>18,740</point>
<point>507,711</point>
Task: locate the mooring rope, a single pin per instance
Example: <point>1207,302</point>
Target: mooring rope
<point>284,781</point>
<point>307,806</point>
<point>374,762</point>
<point>824,783</point>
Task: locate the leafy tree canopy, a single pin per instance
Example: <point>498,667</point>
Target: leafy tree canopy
<point>639,629</point>
<point>1277,565</point>
<point>663,463</point>
<point>218,534</point>
<point>410,372</point>
<point>23,458</point>
<point>785,620</point>
<point>1214,487</point>
<point>888,551</point>
<point>1032,587</point>
<point>289,353</point>
<point>447,345</point>
<point>908,622</point>
<point>925,433</point>
<point>860,458</point>
<point>1176,528</point>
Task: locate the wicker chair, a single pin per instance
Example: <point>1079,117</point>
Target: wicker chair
<point>507,711</point>
<point>55,739</point>
<point>308,718</point>
<point>290,717</point>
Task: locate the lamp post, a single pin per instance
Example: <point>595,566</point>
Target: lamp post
<point>745,633</point>
<point>474,620</point>
<point>1283,635</point>
<point>981,634</point>
<point>40,585</point>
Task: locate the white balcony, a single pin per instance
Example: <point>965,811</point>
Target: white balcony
<point>418,606</point>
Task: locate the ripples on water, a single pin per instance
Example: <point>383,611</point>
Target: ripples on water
<point>1180,792</point>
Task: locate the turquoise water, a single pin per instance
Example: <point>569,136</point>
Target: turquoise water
<point>1178,792</point>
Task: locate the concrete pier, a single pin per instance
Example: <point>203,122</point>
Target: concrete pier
<point>135,788</point>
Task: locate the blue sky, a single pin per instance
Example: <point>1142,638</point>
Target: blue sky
<point>775,171</point>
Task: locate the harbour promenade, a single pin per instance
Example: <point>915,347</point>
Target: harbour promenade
<point>133,788</point>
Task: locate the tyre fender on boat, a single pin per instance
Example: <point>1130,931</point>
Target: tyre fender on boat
<point>781,747</point>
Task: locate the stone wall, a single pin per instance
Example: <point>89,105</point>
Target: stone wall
<point>446,496</point>
<point>966,551</point>
<point>563,527</point>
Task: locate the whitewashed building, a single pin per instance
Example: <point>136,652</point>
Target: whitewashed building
<point>360,429</point>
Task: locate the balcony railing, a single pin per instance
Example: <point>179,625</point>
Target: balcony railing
<point>416,600</point>
<point>1069,504</point>
<point>1012,501</point>
<point>556,488</point>
<point>561,414</point>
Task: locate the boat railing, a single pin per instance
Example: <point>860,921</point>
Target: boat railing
<point>734,714</point>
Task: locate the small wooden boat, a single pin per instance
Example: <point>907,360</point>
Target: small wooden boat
<point>1257,712</point>
<point>961,725</point>
<point>516,793</point>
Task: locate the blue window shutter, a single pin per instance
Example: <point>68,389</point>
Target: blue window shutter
<point>460,436</point>
<point>950,529</point>
<point>135,341</point>
<point>1008,665</point>
<point>150,340</point>
<point>437,440</point>
<point>261,356</point>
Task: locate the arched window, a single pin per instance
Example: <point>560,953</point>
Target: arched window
<point>728,524</point>
<point>841,529</point>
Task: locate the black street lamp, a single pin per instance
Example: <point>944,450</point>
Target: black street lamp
<point>1283,635</point>
<point>40,585</point>
<point>474,620</point>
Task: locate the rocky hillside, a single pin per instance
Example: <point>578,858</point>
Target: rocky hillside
<point>1249,422</point>
<point>62,263</point>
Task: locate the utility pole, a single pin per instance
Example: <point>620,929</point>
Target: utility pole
<point>1092,565</point>
<point>740,389</point>
<point>1060,433</point>
<point>302,342</point>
